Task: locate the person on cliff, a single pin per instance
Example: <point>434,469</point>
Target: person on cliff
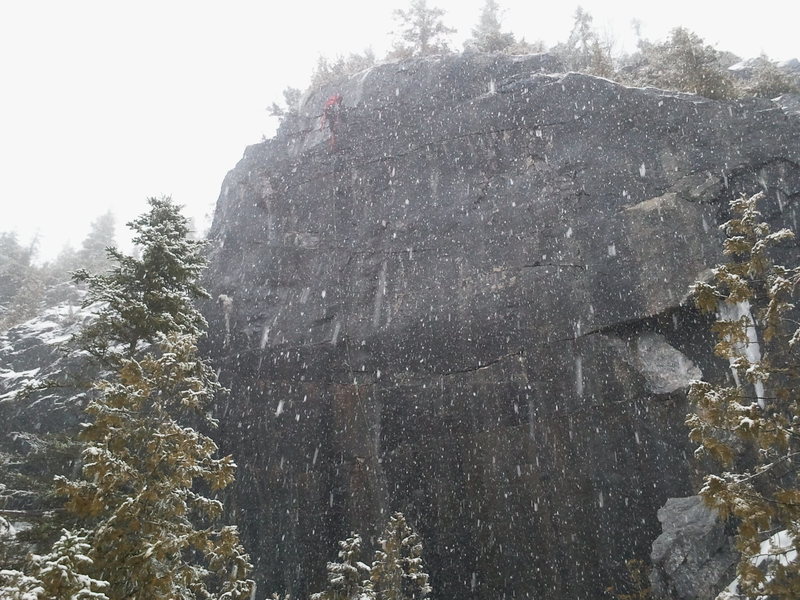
<point>331,116</point>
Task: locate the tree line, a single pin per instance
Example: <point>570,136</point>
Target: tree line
<point>683,62</point>
<point>26,286</point>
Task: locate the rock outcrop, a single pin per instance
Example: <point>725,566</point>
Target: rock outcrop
<point>694,553</point>
<point>469,306</point>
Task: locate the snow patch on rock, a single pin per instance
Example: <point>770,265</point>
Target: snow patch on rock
<point>665,368</point>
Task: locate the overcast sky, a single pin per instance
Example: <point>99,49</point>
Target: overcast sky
<point>104,103</point>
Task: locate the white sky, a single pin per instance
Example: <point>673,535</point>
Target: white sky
<point>104,103</point>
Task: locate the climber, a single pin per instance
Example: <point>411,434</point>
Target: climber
<point>331,116</point>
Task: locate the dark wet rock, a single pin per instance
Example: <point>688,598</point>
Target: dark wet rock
<point>471,307</point>
<point>694,558</point>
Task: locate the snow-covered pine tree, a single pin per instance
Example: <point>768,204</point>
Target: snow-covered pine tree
<point>584,51</point>
<point>398,572</point>
<point>488,35</point>
<point>21,287</point>
<point>753,427</point>
<point>685,63</point>
<point>152,533</point>
<point>330,71</point>
<point>290,106</point>
<point>61,573</point>
<point>577,51</point>
<point>15,263</point>
<point>145,298</point>
<point>64,570</point>
<point>153,530</point>
<point>27,301</point>
<point>421,31</point>
<point>16,585</point>
<point>769,80</point>
<point>349,578</point>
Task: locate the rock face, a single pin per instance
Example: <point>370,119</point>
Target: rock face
<point>693,554</point>
<point>470,307</point>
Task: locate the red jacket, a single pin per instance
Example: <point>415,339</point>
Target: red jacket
<point>334,100</point>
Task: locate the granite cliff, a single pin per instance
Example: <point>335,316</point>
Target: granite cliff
<point>470,306</point>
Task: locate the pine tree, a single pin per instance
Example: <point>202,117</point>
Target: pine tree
<point>16,585</point>
<point>488,36</point>
<point>332,71</point>
<point>579,42</point>
<point>769,80</point>
<point>397,572</point>
<point>21,282</point>
<point>27,301</point>
<point>291,101</point>
<point>61,268</point>
<point>62,573</point>
<point>13,260</point>
<point>753,427</point>
<point>93,255</point>
<point>523,47</point>
<point>422,32</point>
<point>141,470</point>
<point>686,64</point>
<point>145,298</point>
<point>145,468</point>
<point>15,265</point>
<point>348,579</point>
<point>27,468</point>
<point>583,51</point>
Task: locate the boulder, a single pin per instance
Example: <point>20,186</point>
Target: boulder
<point>694,558</point>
